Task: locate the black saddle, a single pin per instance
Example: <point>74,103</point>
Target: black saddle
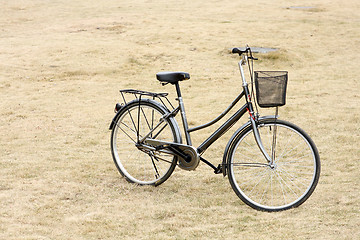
<point>172,77</point>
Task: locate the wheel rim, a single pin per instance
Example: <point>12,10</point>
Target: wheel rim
<point>141,166</point>
<point>285,184</point>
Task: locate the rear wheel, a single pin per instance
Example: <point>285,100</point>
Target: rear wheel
<point>139,165</point>
<point>289,181</point>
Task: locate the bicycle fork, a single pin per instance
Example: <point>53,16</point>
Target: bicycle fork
<point>252,116</point>
<point>257,137</point>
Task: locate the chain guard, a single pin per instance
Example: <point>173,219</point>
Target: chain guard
<point>190,151</point>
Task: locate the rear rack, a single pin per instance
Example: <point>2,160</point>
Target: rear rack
<point>139,93</point>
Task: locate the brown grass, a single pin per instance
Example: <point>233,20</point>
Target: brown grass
<point>63,62</point>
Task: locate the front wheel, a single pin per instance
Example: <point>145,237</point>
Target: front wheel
<point>286,183</point>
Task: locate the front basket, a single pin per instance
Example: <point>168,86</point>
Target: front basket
<point>271,88</point>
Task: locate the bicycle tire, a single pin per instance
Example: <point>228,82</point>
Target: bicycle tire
<point>292,178</point>
<point>143,167</point>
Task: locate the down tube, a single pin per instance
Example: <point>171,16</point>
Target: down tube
<point>222,129</point>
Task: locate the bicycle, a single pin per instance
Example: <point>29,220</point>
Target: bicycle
<point>272,164</point>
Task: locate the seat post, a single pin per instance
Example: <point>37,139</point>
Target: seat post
<point>183,114</point>
<point>178,89</point>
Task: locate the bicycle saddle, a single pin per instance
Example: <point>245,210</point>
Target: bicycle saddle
<point>172,77</point>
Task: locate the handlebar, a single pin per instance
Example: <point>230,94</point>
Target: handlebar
<point>245,59</point>
<point>241,51</point>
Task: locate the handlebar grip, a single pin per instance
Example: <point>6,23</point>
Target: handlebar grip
<point>237,50</point>
<point>241,50</point>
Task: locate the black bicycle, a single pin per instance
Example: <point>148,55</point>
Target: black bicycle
<point>272,164</point>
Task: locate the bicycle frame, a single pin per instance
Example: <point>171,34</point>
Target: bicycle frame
<point>247,107</point>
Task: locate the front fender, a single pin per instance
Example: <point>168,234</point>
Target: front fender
<point>233,137</point>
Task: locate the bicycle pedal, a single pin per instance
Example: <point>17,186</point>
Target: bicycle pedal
<point>218,170</point>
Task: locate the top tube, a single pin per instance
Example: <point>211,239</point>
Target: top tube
<point>220,116</point>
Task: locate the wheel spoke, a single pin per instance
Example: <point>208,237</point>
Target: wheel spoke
<point>126,132</point>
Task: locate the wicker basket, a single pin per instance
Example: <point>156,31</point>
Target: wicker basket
<point>271,88</point>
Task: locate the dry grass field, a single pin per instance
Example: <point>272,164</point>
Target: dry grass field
<point>61,66</point>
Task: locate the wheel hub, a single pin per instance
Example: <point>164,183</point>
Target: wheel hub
<point>273,166</point>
